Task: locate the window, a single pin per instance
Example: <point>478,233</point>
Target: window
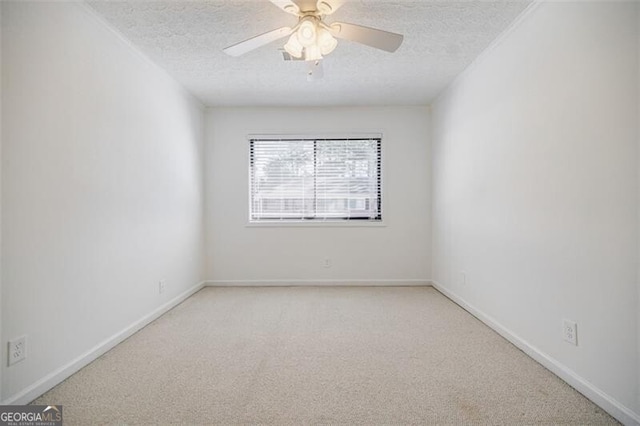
<point>314,179</point>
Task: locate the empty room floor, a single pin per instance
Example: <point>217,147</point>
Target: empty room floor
<point>300,355</point>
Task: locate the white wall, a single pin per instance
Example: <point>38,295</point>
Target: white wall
<point>1,340</point>
<point>638,122</point>
<point>536,190</point>
<point>400,251</point>
<point>101,187</point>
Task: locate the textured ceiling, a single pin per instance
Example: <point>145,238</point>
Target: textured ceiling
<point>187,37</point>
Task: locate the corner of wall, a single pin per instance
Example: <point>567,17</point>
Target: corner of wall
<point>109,27</point>
<point>638,136</point>
<point>2,353</point>
<point>203,192</point>
<point>494,44</point>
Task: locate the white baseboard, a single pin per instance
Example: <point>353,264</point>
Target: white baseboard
<point>612,406</point>
<point>50,380</point>
<point>321,282</point>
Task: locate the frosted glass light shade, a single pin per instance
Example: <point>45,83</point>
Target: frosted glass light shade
<point>307,33</point>
<point>311,40</point>
<point>326,41</point>
<point>312,53</point>
<point>293,46</point>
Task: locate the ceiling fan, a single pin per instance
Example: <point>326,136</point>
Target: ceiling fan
<point>311,38</point>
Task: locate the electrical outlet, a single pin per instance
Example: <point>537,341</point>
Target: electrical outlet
<point>161,286</point>
<point>17,349</point>
<point>570,331</point>
<point>463,278</point>
<point>326,263</point>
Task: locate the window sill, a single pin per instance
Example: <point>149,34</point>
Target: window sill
<point>315,224</point>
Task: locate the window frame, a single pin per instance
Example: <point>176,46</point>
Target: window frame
<point>318,222</point>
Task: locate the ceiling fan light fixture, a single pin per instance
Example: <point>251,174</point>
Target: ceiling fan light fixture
<point>326,41</point>
<point>311,38</point>
<point>312,53</point>
<point>293,46</point>
<point>307,33</point>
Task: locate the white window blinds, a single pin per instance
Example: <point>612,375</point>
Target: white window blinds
<point>315,179</point>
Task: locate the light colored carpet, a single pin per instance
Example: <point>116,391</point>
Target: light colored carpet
<point>310,355</point>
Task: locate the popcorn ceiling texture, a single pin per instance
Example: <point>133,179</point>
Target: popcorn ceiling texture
<point>186,38</point>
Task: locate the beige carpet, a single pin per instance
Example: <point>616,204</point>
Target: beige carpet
<point>310,355</point>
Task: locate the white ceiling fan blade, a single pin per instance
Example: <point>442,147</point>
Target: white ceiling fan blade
<point>327,7</point>
<point>287,5</point>
<point>257,41</point>
<point>379,39</point>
